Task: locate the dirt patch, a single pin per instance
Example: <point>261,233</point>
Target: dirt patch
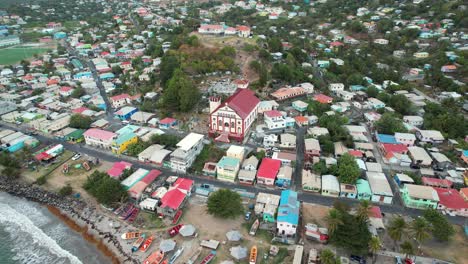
<point>449,251</point>
<point>315,214</point>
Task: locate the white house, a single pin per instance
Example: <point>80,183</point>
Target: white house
<point>430,136</point>
<point>406,139</point>
<point>380,188</point>
<point>416,121</point>
<point>274,119</point>
<point>336,87</point>
<point>188,148</point>
<point>381,41</point>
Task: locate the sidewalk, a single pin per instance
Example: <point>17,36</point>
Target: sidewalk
<point>418,260</point>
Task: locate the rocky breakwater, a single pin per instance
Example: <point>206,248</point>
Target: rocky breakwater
<point>86,220</point>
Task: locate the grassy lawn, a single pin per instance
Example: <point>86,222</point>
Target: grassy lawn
<point>151,221</point>
<point>14,55</point>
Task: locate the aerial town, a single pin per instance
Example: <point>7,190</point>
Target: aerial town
<point>327,131</point>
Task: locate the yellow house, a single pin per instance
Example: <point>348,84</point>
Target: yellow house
<point>120,144</point>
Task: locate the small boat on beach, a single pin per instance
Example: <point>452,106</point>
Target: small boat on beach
<point>155,258</point>
<point>127,212</point>
<point>253,229</point>
<point>131,235</point>
<point>176,255</point>
<point>137,244</point>
<point>175,230</point>
<point>133,215</point>
<point>253,255</point>
<point>147,244</point>
<point>209,258</point>
<point>195,256</point>
<point>123,208</point>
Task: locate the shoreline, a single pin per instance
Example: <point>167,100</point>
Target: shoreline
<point>76,215</point>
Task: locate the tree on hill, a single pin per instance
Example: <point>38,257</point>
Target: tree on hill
<point>180,94</point>
<point>169,63</point>
<point>397,229</point>
<point>389,124</point>
<point>225,203</point>
<point>78,92</point>
<point>80,121</point>
<point>348,170</point>
<point>420,229</point>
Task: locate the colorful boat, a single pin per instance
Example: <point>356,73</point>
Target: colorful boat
<point>209,258</point>
<point>195,256</point>
<point>127,212</point>
<point>133,215</point>
<point>176,255</point>
<point>147,244</point>
<point>175,230</point>
<point>253,255</point>
<point>137,244</point>
<point>165,261</point>
<point>131,235</point>
<point>155,258</point>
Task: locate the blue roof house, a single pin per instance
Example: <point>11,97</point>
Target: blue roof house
<point>126,112</point>
<point>288,214</point>
<point>386,139</point>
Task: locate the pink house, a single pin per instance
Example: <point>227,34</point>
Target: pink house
<point>312,147</point>
<point>65,91</point>
<point>118,168</point>
<point>268,171</point>
<point>451,202</point>
<point>321,98</point>
<point>99,138</point>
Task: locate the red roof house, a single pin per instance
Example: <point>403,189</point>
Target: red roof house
<point>118,168</point>
<point>184,184</point>
<point>451,202</point>
<point>267,171</point>
<point>435,182</point>
<point>172,201</point>
<point>321,98</point>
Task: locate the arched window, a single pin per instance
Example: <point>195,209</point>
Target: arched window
<point>233,124</point>
<point>226,124</point>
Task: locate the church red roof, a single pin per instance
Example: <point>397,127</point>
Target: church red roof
<point>243,102</point>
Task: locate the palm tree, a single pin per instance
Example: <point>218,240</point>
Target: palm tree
<point>407,248</point>
<point>363,210</point>
<point>420,229</point>
<point>333,220</point>
<point>327,257</point>
<point>374,246</point>
<point>397,228</point>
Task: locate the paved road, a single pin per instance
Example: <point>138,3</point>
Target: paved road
<point>303,196</point>
<point>296,182</point>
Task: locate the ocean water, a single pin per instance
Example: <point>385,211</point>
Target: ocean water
<point>29,233</point>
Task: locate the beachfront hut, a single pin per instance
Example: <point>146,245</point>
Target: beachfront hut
<point>187,230</point>
<point>167,245</point>
<point>238,252</point>
<point>234,235</point>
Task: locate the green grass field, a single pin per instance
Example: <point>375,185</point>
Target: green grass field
<point>14,55</point>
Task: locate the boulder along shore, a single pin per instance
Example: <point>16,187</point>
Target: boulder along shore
<point>77,215</point>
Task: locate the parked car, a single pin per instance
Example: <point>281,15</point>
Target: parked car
<point>358,259</point>
<point>248,215</point>
<point>398,260</point>
<point>77,156</point>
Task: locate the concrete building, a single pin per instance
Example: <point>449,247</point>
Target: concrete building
<point>330,186</point>
<point>420,156</point>
<point>311,182</point>
<point>227,169</point>
<point>99,138</point>
<point>288,214</point>
<point>381,190</point>
<point>187,150</point>
<point>419,197</point>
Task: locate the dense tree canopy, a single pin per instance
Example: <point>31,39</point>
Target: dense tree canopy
<point>225,203</point>
<point>80,121</point>
<point>105,189</point>
<point>180,94</point>
<point>389,124</point>
<point>348,170</point>
<point>442,230</point>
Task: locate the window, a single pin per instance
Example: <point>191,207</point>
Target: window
<point>220,123</point>
<point>226,124</point>
<point>233,124</point>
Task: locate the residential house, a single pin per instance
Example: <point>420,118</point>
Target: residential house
<point>464,193</point>
<point>336,87</point>
<point>274,119</point>
<point>316,131</point>
<point>250,164</point>
<point>311,182</point>
<point>187,150</point>
<point>340,149</point>
<point>283,179</point>
<point>419,197</point>
<point>288,141</point>
<point>120,100</point>
<point>300,105</point>
<point>436,182</point>
<point>121,143</point>
<point>210,29</point>
<point>348,190</point>
<point>464,156</point>
<point>233,118</point>
<point>288,93</point>
<point>268,170</point>
<point>146,154</point>
<point>312,148</point>
<point>345,95</point>
<point>380,188</point>
<point>406,139</point>
<point>167,122</point>
<point>288,214</point>
<point>118,169</point>
<point>99,138</point>
<point>451,202</point>
<point>430,136</point>
<point>267,106</point>
<point>416,121</point>
<point>270,140</point>
<point>266,206</point>
<point>142,117</point>
<point>321,98</point>
<point>126,112</point>
<point>420,156</point>
<point>248,171</point>
<point>227,168</point>
<point>375,103</point>
<point>330,186</point>
<point>237,152</point>
<point>364,190</point>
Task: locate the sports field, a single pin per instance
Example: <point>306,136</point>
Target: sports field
<point>14,55</point>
